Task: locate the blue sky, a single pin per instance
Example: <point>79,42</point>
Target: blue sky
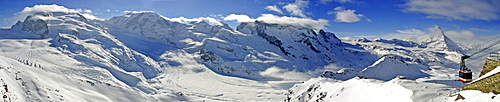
<point>346,18</point>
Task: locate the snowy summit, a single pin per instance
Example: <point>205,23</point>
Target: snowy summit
<point>59,54</point>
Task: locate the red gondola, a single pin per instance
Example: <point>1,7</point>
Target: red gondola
<point>465,74</point>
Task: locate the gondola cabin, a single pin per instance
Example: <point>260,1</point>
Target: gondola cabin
<point>465,76</point>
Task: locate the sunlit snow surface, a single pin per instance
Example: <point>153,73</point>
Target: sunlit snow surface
<point>58,56</point>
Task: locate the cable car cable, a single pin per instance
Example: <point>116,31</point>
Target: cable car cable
<point>487,47</point>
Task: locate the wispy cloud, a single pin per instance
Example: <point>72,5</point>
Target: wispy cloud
<point>346,15</point>
<point>127,11</point>
<point>406,34</point>
<point>270,18</point>
<point>477,29</point>
<point>274,8</point>
<point>303,22</point>
<point>297,8</point>
<point>455,9</point>
<point>210,20</point>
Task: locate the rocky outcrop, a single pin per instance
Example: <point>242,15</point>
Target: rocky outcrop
<point>35,26</point>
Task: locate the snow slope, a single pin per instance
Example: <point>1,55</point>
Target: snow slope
<point>143,56</point>
<point>362,90</point>
<point>245,52</point>
<point>84,53</point>
<point>476,96</point>
<point>33,71</point>
<point>389,67</point>
<point>352,90</point>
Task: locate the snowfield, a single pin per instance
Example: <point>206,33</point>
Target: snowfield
<point>355,89</point>
<point>145,57</point>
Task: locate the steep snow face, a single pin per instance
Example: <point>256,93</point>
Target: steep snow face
<point>243,53</point>
<point>302,43</point>
<point>386,68</point>
<point>148,24</point>
<point>32,71</point>
<point>439,41</point>
<point>353,90</point>
<point>152,34</point>
<point>342,74</point>
<point>258,46</point>
<point>87,42</point>
<point>290,40</point>
<point>389,67</point>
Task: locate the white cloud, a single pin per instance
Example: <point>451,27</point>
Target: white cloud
<point>409,34</point>
<point>90,16</point>
<point>455,9</point>
<point>84,10</point>
<point>303,22</point>
<point>20,16</point>
<point>412,31</point>
<point>346,15</point>
<point>108,10</point>
<point>337,8</point>
<point>239,18</point>
<point>270,18</point>
<point>274,8</point>
<point>127,11</point>
<point>297,8</point>
<point>368,20</point>
<point>210,20</point>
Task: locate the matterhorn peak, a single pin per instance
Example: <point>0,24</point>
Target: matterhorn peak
<point>440,41</point>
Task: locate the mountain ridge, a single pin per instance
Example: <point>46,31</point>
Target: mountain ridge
<point>162,60</point>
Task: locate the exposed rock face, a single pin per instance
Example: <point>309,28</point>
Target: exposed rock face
<point>289,39</point>
<point>35,26</point>
<point>488,80</point>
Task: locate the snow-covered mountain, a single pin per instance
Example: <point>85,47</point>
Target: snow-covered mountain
<point>440,41</point>
<point>251,48</point>
<point>143,56</point>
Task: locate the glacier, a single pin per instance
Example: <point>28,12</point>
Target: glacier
<point>144,56</point>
